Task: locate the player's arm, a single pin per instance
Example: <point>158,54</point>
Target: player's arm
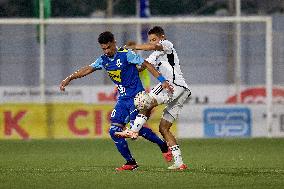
<point>138,60</point>
<point>141,68</point>
<point>145,47</point>
<point>86,70</point>
<point>165,84</point>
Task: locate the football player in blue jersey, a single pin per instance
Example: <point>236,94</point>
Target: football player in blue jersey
<point>120,65</point>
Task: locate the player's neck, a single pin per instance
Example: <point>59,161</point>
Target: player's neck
<point>113,56</point>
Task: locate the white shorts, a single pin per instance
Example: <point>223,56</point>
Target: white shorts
<point>173,101</point>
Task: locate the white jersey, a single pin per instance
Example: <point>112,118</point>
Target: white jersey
<point>167,62</point>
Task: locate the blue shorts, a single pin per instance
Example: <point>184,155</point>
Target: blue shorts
<point>124,111</point>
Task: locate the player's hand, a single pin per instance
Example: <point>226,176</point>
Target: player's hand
<point>166,85</point>
<point>64,83</point>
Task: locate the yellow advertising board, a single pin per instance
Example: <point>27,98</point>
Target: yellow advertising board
<point>22,121</point>
<point>68,120</point>
<point>80,121</point>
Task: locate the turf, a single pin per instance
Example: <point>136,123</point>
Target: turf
<point>214,163</point>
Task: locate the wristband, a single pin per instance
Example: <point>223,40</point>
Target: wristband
<point>161,78</point>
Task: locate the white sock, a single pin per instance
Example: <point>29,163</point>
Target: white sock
<point>139,121</point>
<point>177,155</point>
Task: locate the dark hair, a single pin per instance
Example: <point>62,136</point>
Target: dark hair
<point>157,30</point>
<point>105,37</point>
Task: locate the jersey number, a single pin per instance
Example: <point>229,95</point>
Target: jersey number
<point>118,63</point>
<point>113,113</point>
<point>121,90</point>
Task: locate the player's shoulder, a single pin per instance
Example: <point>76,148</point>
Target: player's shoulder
<point>166,42</point>
<point>102,58</point>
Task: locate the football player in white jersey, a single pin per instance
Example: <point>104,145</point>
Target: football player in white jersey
<point>165,59</point>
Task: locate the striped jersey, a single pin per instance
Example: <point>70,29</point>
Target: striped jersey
<point>167,62</point>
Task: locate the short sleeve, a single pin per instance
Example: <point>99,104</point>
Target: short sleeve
<point>167,46</point>
<point>134,58</point>
<point>97,64</point>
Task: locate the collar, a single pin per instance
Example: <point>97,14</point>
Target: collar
<point>114,56</point>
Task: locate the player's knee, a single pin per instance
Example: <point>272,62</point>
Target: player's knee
<point>153,104</point>
<point>166,123</point>
<point>168,117</point>
<point>112,131</point>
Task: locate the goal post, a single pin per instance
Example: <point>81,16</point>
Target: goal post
<point>267,21</point>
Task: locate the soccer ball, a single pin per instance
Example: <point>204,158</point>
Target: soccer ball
<point>143,100</point>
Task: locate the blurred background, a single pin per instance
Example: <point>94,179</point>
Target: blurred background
<point>235,69</point>
<point>104,8</point>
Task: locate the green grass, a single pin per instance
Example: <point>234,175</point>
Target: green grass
<point>214,163</point>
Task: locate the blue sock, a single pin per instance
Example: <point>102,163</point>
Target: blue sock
<point>121,144</point>
<point>148,134</point>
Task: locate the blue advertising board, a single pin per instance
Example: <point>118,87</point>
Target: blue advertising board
<point>227,122</point>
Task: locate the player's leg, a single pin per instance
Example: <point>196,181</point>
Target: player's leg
<point>118,117</point>
<point>148,134</point>
<point>136,123</point>
<point>164,128</point>
<point>123,149</point>
<point>142,118</point>
<point>159,96</point>
<point>171,113</point>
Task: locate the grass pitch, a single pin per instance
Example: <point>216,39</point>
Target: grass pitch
<point>214,163</point>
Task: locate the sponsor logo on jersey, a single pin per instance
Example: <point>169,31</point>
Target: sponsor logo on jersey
<point>227,122</point>
<point>115,75</point>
